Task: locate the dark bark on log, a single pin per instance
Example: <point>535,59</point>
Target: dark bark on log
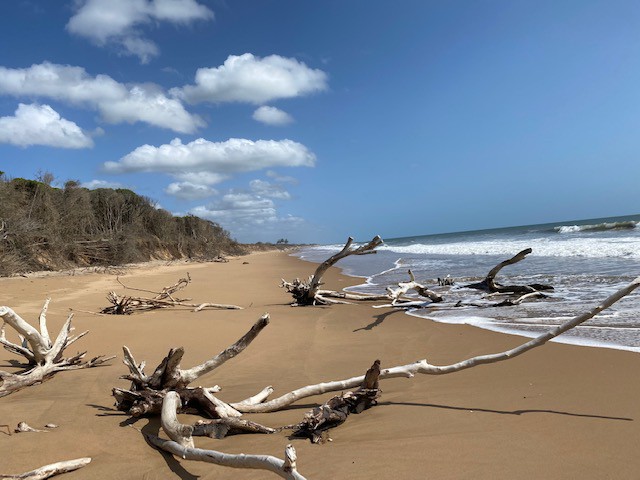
<point>336,410</point>
<point>489,284</point>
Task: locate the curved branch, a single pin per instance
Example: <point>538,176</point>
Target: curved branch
<point>284,469</point>
<point>188,376</point>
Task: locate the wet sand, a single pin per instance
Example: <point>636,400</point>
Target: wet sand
<point>557,412</point>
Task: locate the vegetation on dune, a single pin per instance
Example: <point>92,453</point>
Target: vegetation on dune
<point>44,228</point>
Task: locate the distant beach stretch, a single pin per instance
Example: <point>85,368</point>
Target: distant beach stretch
<point>584,260</point>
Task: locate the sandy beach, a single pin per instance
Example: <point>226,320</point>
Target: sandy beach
<point>557,412</point>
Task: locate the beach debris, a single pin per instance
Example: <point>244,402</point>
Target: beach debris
<point>7,427</point>
<point>51,470</point>
<point>182,445</point>
<point>335,411</point>
<point>44,356</point>
<point>51,426</point>
<point>147,392</point>
<point>425,368</point>
<point>126,305</point>
<point>24,427</point>
<point>488,284</point>
<point>308,292</point>
<point>166,392</point>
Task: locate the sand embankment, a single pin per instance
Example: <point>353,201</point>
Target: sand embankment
<point>559,411</point>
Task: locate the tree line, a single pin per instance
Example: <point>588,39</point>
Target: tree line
<point>46,228</point>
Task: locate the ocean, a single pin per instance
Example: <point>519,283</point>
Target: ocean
<point>585,261</point>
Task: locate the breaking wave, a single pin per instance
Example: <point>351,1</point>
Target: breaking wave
<point>599,227</point>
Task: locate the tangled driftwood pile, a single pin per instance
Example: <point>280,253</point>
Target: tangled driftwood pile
<point>126,305</point>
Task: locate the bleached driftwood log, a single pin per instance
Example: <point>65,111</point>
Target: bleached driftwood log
<point>488,284</point>
<point>49,471</point>
<point>126,305</point>
<point>404,287</point>
<point>147,392</point>
<point>44,356</point>
<point>308,292</point>
<point>424,367</point>
<point>181,444</point>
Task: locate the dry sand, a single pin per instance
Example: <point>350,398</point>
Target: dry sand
<point>556,412</point>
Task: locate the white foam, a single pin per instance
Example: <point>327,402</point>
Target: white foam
<point>627,247</point>
<point>488,324</point>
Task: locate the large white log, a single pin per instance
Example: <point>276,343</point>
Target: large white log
<point>49,471</point>
<point>181,444</point>
<point>282,468</point>
<point>424,367</point>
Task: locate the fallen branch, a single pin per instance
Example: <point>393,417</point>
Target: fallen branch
<point>335,411</point>
<point>404,287</point>
<point>181,444</point>
<point>44,356</point>
<point>147,392</point>
<point>126,305</point>
<point>308,292</point>
<point>49,471</point>
<point>488,284</point>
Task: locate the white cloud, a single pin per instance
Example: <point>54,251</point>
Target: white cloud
<point>270,190</point>
<point>281,178</point>
<point>41,125</point>
<point>190,191</point>
<point>251,79</point>
<point>119,22</point>
<point>221,158</point>
<point>201,178</point>
<point>93,184</point>
<point>115,101</point>
<point>272,116</point>
<point>249,217</point>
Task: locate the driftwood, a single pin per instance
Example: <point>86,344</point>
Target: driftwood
<point>335,411</point>
<point>44,356</point>
<point>166,392</point>
<point>49,471</point>
<point>425,368</point>
<point>488,284</point>
<point>182,445</point>
<point>404,287</point>
<point>308,292</point>
<point>126,305</point>
<point>147,392</point>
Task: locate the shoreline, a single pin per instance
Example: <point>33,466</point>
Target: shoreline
<point>573,407</point>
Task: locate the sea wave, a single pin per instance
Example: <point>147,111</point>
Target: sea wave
<point>598,227</point>
<point>578,247</point>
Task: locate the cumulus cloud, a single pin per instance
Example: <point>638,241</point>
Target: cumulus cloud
<point>119,22</point>
<point>246,78</point>
<point>201,178</point>
<point>41,125</point>
<point>220,158</point>
<point>93,184</point>
<point>115,101</point>
<point>190,191</point>
<point>281,178</point>
<point>248,216</point>
<point>270,190</point>
<point>272,116</point>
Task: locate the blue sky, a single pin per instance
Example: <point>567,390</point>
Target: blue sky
<point>314,121</point>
